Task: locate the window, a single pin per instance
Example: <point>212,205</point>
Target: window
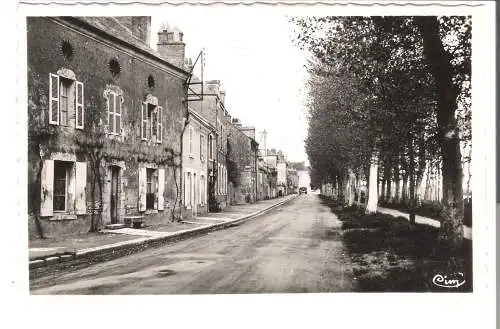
<point>152,125</point>
<point>221,139</point>
<point>66,99</point>
<point>114,104</point>
<point>151,182</point>
<point>191,133</point>
<point>63,187</point>
<point>188,190</point>
<point>202,147</point>
<point>61,175</point>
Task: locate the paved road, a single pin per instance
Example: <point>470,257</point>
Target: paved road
<point>295,248</point>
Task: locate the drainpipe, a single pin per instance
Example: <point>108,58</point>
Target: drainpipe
<point>186,122</point>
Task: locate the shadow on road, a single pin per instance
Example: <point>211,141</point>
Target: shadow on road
<point>390,255</point>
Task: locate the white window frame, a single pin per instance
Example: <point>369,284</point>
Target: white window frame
<point>191,138</point>
<point>79,107</point>
<point>117,97</point>
<point>156,112</point>
<point>54,98</point>
<point>202,147</point>
<point>159,124</point>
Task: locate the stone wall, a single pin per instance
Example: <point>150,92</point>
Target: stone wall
<point>92,51</point>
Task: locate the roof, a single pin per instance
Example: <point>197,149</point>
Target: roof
<point>112,27</point>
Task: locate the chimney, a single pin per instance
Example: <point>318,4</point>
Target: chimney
<point>188,64</point>
<point>236,122</point>
<point>140,26</point>
<point>212,86</point>
<point>171,46</point>
<point>222,96</point>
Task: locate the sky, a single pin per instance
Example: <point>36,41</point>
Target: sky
<point>260,69</point>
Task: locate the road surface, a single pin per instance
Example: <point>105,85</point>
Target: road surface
<point>294,248</point>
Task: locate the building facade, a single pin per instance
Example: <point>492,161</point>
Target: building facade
<point>242,164</point>
<point>195,163</point>
<point>105,118</point>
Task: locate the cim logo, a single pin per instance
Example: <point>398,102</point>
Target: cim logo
<point>454,280</point>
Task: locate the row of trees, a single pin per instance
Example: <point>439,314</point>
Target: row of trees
<point>389,97</point>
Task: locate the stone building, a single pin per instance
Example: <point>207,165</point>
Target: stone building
<point>276,160</point>
<point>105,118</point>
<point>264,181</point>
<point>242,164</point>
<point>195,163</point>
<point>212,108</point>
<point>292,181</point>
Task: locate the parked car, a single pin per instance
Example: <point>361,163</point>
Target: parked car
<point>302,190</point>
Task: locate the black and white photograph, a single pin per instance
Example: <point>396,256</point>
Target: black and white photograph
<point>256,149</point>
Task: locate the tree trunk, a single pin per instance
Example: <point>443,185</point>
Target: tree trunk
<point>388,193</point>
<point>440,63</point>
<point>340,191</point>
<point>358,184</point>
<point>421,166</point>
<point>351,187</point>
<point>411,168</point>
<point>397,196</point>
<point>371,206</point>
<point>469,196</point>
<point>382,189</point>
<point>37,200</point>
<point>427,182</point>
<point>404,190</point>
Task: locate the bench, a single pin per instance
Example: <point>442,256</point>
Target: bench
<point>135,221</point>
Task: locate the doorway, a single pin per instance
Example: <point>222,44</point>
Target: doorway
<point>114,194</point>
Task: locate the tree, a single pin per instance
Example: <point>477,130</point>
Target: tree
<point>415,70</point>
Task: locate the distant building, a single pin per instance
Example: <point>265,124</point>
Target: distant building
<point>242,163</point>
<point>195,163</point>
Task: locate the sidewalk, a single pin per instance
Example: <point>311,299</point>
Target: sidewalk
<point>46,252</point>
<point>421,220</point>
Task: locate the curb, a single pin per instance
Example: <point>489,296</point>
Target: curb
<point>85,257</point>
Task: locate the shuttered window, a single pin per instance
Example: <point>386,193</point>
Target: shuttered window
<point>64,103</point>
<point>63,187</point>
<point>66,97</point>
<point>60,185</point>
<point>114,113</point>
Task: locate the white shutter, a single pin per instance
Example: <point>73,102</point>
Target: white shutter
<point>159,127</point>
<point>161,188</point>
<point>142,189</point>
<point>47,189</point>
<point>53,99</point>
<point>108,107</point>
<point>79,105</point>
<point>151,126</point>
<point>118,114</point>
<point>80,187</point>
<point>144,121</point>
